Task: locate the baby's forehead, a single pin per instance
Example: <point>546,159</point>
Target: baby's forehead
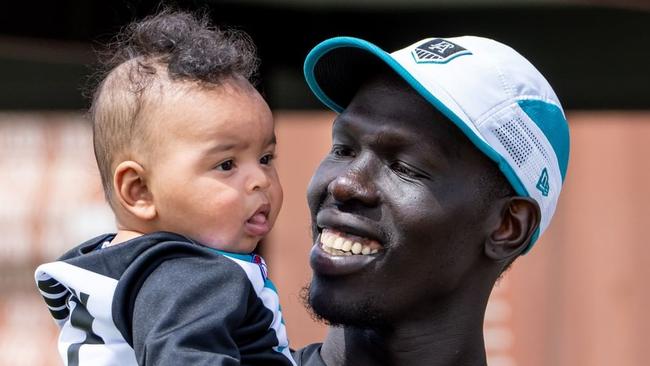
<point>150,81</point>
<point>228,113</point>
<point>155,106</point>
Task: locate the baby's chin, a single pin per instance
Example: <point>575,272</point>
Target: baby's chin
<point>244,245</point>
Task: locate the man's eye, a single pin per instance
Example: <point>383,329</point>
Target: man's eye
<point>266,159</point>
<point>405,170</point>
<point>226,165</point>
<point>341,151</point>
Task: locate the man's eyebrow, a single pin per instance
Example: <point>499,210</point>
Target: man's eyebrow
<point>344,125</point>
<point>387,138</point>
<point>431,150</point>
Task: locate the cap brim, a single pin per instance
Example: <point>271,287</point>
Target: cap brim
<point>336,68</point>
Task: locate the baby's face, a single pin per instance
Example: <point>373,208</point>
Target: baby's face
<point>211,173</point>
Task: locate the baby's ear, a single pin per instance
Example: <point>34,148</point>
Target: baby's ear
<point>131,190</point>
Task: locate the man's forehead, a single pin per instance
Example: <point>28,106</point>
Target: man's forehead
<point>385,95</point>
<point>390,130</point>
<point>386,106</point>
<point>395,135</point>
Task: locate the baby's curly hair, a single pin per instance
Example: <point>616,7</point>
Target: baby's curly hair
<point>169,48</point>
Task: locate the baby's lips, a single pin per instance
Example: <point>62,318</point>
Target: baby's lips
<point>258,225</point>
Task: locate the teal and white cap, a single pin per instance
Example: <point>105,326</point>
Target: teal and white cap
<point>496,97</point>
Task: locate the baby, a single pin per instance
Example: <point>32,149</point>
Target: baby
<point>185,148</point>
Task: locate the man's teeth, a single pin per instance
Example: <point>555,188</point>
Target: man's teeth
<point>337,244</point>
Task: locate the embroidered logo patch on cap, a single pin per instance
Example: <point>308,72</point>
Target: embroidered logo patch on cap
<point>438,51</point>
<point>542,183</point>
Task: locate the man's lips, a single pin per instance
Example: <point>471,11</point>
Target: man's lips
<point>258,224</point>
<point>337,251</point>
<point>350,224</point>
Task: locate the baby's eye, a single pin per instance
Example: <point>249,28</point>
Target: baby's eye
<point>226,165</point>
<point>266,159</point>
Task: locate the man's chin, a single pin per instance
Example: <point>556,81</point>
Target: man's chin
<point>324,308</point>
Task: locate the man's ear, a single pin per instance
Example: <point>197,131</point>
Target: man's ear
<point>131,190</point>
<point>520,218</point>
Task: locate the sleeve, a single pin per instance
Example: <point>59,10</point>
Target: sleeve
<point>308,356</point>
<point>187,311</point>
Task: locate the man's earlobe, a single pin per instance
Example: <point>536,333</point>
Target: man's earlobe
<point>131,190</point>
<point>520,218</point>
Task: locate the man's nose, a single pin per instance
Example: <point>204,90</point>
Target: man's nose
<point>355,184</point>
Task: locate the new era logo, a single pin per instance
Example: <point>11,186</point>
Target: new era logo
<point>438,51</point>
<point>542,183</point>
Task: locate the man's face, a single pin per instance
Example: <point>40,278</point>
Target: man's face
<point>401,183</point>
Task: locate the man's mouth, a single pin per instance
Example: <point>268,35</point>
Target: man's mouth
<point>347,243</point>
<point>338,253</point>
<point>338,243</point>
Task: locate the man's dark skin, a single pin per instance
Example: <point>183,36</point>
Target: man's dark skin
<point>402,174</point>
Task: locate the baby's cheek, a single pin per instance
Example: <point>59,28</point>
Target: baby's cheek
<point>229,202</point>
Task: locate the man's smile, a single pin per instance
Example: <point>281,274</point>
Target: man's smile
<point>338,243</point>
<point>346,243</point>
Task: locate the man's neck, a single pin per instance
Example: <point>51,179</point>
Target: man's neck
<point>449,338</point>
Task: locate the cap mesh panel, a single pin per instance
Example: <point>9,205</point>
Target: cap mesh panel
<point>524,148</point>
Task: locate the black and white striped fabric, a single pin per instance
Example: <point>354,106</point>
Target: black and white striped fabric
<point>163,300</point>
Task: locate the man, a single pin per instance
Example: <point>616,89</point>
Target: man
<point>447,160</point>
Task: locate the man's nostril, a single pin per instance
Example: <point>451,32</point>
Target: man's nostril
<point>346,188</point>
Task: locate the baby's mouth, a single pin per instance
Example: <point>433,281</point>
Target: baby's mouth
<point>258,224</point>
<point>337,243</point>
<point>258,219</point>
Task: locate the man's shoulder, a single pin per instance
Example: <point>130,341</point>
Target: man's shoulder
<point>309,355</point>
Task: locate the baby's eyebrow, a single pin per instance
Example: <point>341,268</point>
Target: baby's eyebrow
<point>273,140</point>
<point>221,147</point>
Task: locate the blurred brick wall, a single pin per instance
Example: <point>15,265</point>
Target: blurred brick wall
<point>579,298</point>
<point>50,200</point>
